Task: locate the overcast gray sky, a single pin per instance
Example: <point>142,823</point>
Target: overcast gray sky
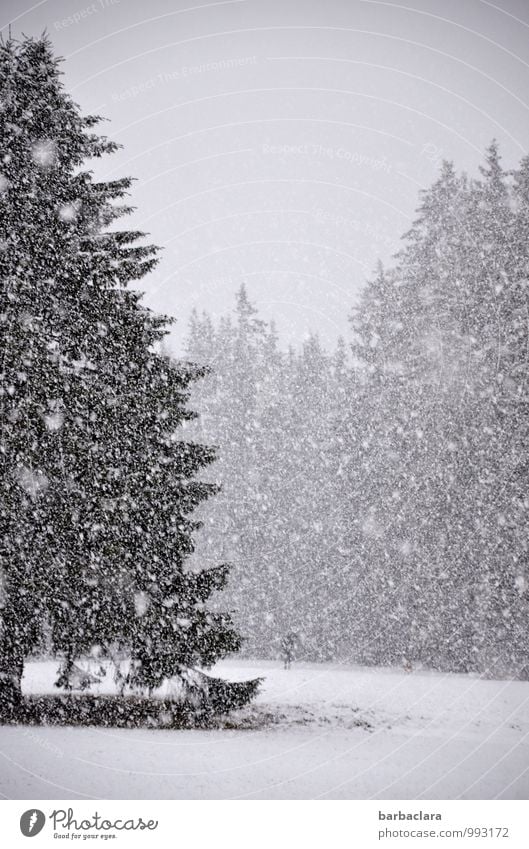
<point>283,142</point>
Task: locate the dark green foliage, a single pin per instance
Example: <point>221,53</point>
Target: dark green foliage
<point>207,699</point>
<point>98,481</point>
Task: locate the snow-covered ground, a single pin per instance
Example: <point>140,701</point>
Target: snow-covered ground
<point>316,731</point>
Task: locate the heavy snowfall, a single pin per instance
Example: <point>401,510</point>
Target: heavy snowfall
<point>243,556</point>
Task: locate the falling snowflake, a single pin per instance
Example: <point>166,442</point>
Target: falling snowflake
<point>44,153</point>
<point>520,583</point>
<point>54,421</point>
<point>69,211</point>
<point>33,481</point>
<point>141,603</point>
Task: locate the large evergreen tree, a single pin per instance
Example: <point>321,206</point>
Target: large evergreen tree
<point>98,481</point>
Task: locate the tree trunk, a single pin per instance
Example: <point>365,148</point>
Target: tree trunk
<point>15,646</point>
<point>11,669</point>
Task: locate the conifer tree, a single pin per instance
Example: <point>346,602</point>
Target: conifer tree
<point>451,445</point>
<point>98,479</point>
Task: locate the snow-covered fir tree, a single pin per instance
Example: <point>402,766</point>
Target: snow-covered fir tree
<point>450,446</point>
<point>98,477</point>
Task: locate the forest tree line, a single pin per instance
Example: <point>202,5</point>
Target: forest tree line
<point>374,499</point>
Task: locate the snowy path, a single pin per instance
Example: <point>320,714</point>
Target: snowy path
<point>316,731</point>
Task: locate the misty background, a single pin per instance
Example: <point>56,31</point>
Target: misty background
<point>283,144</point>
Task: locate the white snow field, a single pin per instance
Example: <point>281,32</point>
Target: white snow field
<point>315,731</point>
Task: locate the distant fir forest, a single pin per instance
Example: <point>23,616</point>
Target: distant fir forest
<point>374,498</point>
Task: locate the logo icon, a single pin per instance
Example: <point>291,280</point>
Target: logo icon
<point>32,822</point>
